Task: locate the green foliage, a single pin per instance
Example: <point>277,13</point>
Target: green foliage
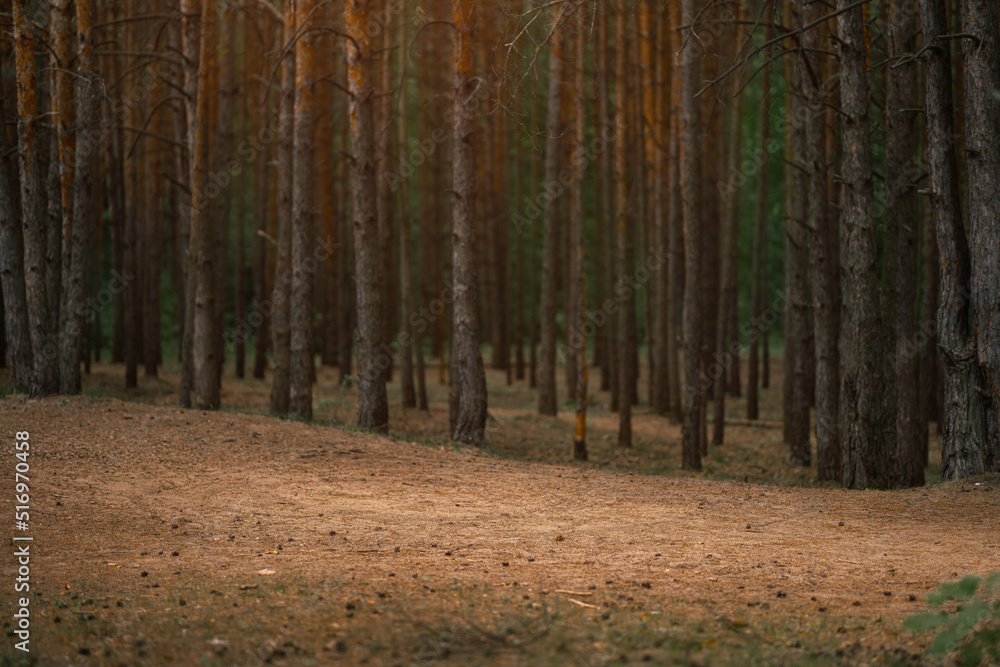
<point>973,627</point>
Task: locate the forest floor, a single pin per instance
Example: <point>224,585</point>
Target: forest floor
<point>170,536</point>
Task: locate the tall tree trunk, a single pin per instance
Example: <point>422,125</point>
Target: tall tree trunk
<point>796,385</point>
<point>757,268</point>
<point>200,263</point>
<point>45,380</point>
<point>578,257</point>
<point>190,45</point>
<point>547,400</point>
<point>383,202</point>
<point>902,173</point>
<point>407,300</point>
<point>470,424</point>
<point>281,282</point>
<point>675,225</point>
<point>301,343</point>
<point>624,355</point>
<point>607,234</point>
<point>867,426</point>
<point>823,262</point>
<point>373,408</point>
<point>12,274</point>
<point>982,140</point>
<point>730,192</point>
<point>964,431</point>
<point>694,396</point>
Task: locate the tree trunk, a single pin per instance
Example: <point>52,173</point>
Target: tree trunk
<point>694,396</point>
<point>12,274</point>
<point>190,43</point>
<point>757,268</point>
<point>579,341</point>
<point>200,263</point>
<point>281,282</point>
<point>823,263</point>
<point>796,385</point>
<point>45,377</point>
<point>373,408</point>
<point>624,352</point>
<point>547,400</point>
<point>383,134</point>
<point>470,424</point>
<point>301,337</point>
<point>675,228</point>
<point>407,299</point>
<point>982,142</point>
<point>902,172</point>
<point>867,426</point>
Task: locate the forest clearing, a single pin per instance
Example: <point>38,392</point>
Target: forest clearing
<point>154,525</point>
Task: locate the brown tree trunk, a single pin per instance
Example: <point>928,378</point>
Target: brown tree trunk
<point>624,351</point>
<point>407,300</point>
<point>190,43</point>
<point>694,396</point>
<point>867,427</point>
<point>823,262</point>
<point>547,400</point>
<point>796,385</point>
<point>304,263</point>
<point>12,274</point>
<point>281,281</point>
<point>383,202</point>
<point>578,342</point>
<point>982,142</point>
<point>470,423</point>
<point>675,227</point>
<point>45,377</point>
<point>373,408</point>
<point>902,172</point>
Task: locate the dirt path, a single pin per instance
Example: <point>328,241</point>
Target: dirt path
<point>141,504</point>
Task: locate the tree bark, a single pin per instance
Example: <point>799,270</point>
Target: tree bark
<point>694,397</point>
<point>822,260</point>
<point>624,351</point>
<point>981,56</point>
<point>410,335</point>
<point>15,306</point>
<point>281,281</point>
<point>45,377</point>
<point>547,400</point>
<point>373,408</point>
<point>470,424</point>
<point>902,172</point>
<point>867,426</point>
<point>301,337</point>
<point>578,342</point>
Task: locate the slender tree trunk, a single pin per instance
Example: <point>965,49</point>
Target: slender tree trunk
<point>45,379</point>
<point>675,224</point>
<point>867,427</point>
<point>200,263</point>
<point>578,256</point>
<point>383,203</point>
<point>190,29</point>
<point>547,400</point>
<point>407,300</point>
<point>823,262</point>
<point>12,274</point>
<point>470,424</point>
<point>796,385</point>
<point>281,282</point>
<point>902,172</point>
<point>694,396</point>
<point>607,234</point>
<point>373,408</point>
<point>624,355</point>
<point>730,192</point>
<point>301,344</point>
<point>982,139</point>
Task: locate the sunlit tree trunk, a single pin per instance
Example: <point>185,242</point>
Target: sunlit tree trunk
<point>373,408</point>
<point>470,424</point>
